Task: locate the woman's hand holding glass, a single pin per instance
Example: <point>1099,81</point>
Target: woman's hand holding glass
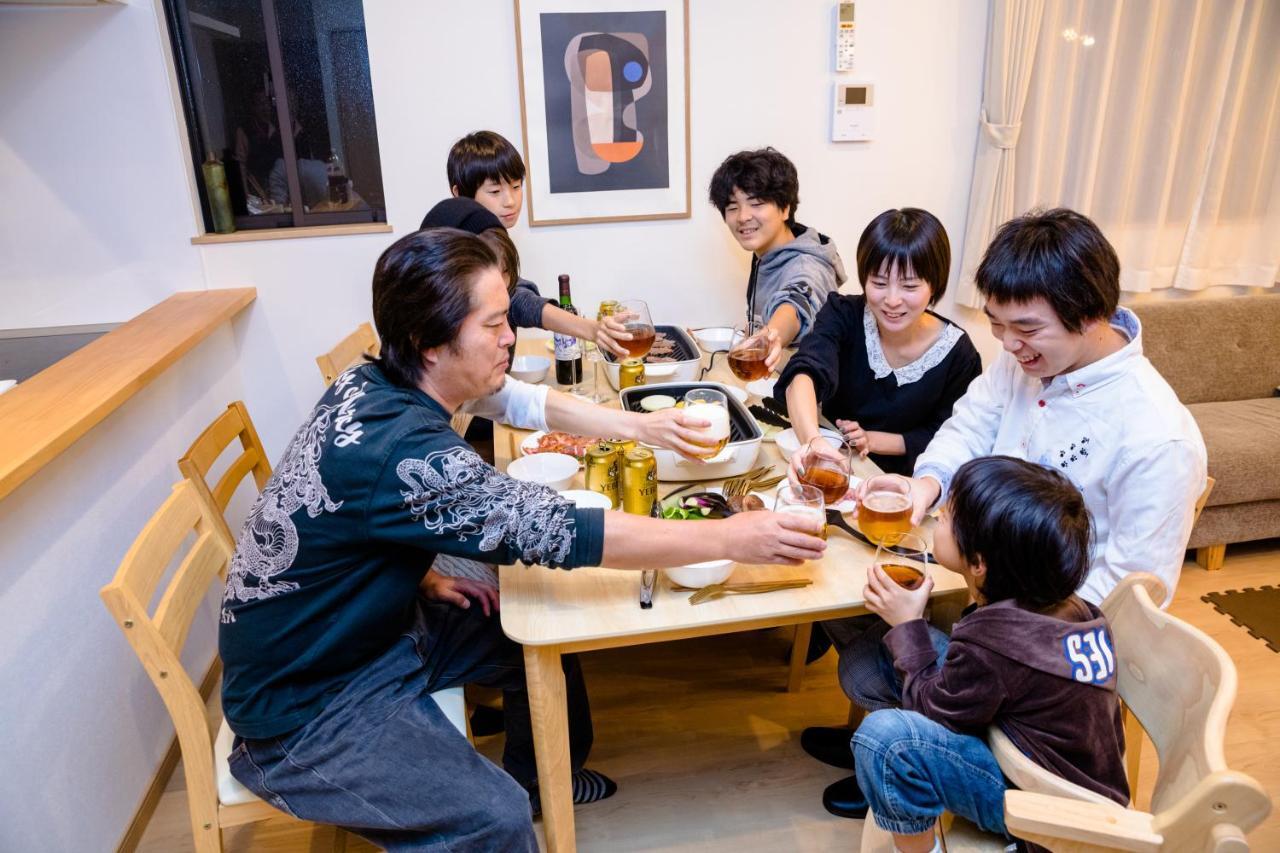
<point>824,465</point>
<point>610,334</point>
<point>710,406</point>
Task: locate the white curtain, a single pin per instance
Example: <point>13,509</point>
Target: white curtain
<point>1160,119</point>
<point>1013,35</point>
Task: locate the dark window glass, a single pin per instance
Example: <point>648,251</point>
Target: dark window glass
<point>252,67</point>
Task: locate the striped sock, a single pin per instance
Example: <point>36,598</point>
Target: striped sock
<point>589,786</point>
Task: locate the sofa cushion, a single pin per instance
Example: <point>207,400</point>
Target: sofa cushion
<point>1242,438</point>
<point>1214,349</point>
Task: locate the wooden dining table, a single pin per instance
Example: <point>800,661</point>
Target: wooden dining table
<point>552,613</point>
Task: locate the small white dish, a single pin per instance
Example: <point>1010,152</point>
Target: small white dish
<point>530,368</point>
<point>739,394</point>
<point>550,469</point>
<point>587,499</point>
<point>788,443</point>
<point>761,387</point>
<point>714,338</point>
<point>698,575</point>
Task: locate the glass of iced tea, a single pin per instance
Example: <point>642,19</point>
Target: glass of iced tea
<point>825,464</point>
<point>906,563</point>
<point>803,500</point>
<point>747,352</point>
<point>884,514</point>
<point>634,315</point>
<point>709,405</point>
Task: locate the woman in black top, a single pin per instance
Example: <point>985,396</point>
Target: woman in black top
<point>884,368</point>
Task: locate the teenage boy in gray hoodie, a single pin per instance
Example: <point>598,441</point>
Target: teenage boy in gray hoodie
<point>793,267</point>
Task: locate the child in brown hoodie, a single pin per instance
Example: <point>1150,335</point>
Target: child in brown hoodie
<point>1029,656</point>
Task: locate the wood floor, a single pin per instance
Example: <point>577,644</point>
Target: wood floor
<point>705,746</point>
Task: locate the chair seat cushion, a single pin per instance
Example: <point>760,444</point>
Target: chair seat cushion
<point>232,793</point>
<point>1242,438</point>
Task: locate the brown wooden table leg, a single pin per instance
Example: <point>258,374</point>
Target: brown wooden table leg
<point>799,651</point>
<point>547,706</point>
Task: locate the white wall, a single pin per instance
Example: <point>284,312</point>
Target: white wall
<point>90,143</point>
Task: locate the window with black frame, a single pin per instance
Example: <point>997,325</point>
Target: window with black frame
<point>249,68</point>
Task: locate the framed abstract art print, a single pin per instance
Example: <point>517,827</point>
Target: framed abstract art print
<point>604,97</point>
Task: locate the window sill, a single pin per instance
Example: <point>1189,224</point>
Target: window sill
<point>292,233</point>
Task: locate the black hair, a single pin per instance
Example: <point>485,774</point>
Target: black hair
<point>911,239</point>
<point>1059,255</point>
<point>421,295</point>
<point>481,156</point>
<point>508,257</point>
<point>1027,523</point>
<point>764,174</point>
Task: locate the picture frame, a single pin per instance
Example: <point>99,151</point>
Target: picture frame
<point>604,109</point>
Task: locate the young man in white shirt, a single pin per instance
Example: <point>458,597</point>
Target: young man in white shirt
<point>1072,391</point>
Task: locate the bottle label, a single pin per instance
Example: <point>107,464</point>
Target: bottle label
<point>567,348</point>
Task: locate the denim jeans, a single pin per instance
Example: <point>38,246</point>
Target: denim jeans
<point>911,769</point>
<point>382,761</point>
<point>866,670</point>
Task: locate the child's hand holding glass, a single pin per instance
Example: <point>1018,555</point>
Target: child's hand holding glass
<point>897,589</point>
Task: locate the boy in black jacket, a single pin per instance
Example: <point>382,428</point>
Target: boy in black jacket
<point>1030,657</point>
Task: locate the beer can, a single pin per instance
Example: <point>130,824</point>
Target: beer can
<point>639,481</point>
<point>608,308</point>
<point>630,372</point>
<point>602,462</point>
<point>623,445</point>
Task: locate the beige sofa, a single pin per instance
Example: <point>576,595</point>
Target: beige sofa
<point>1222,357</point>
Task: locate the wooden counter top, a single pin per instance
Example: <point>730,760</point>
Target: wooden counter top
<point>46,414</point>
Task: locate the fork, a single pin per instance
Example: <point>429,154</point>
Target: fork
<point>718,590</point>
<point>752,481</point>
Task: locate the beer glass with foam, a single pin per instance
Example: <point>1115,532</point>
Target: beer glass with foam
<point>804,500</point>
<point>709,405</point>
<point>884,514</point>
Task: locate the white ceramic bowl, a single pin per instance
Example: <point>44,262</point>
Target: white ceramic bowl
<point>701,574</point>
<point>714,338</point>
<point>587,499</point>
<point>788,443</point>
<point>739,394</point>
<point>556,470</point>
<point>530,368</point>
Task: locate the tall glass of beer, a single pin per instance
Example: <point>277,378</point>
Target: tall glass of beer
<point>709,405</point>
<point>884,514</point>
<point>800,499</point>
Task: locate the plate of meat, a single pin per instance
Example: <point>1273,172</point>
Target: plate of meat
<point>557,442</point>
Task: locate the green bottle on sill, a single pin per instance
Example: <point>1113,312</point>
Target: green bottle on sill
<point>215,184</point>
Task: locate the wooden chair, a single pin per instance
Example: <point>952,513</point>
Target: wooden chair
<point>1209,557</point>
<point>214,798</point>
<point>347,352</point>
<point>1180,685</point>
<point>196,463</point>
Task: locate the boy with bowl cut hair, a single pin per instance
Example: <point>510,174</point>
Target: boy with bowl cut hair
<point>1028,647</point>
<point>793,267</point>
<point>485,167</point>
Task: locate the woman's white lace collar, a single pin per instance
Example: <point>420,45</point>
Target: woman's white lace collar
<point>912,372</point>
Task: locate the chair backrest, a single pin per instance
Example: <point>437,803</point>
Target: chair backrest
<point>1181,685</point>
<point>350,349</point>
<point>196,463</point>
<point>157,638</point>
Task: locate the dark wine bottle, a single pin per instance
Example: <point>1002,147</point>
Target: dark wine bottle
<point>568,349</point>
